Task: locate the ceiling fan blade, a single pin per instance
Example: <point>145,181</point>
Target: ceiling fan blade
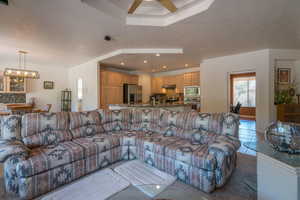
<point>134,6</point>
<point>168,4</point>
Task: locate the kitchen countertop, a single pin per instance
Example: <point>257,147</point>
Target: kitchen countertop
<point>150,106</point>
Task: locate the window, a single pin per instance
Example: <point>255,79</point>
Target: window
<point>79,89</point>
<point>244,91</point>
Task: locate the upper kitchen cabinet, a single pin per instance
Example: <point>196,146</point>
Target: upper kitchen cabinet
<point>179,80</point>
<point>156,84</point>
<point>191,79</point>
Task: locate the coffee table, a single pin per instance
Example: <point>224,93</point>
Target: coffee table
<point>165,192</point>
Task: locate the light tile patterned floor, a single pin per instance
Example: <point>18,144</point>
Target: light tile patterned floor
<point>248,134</point>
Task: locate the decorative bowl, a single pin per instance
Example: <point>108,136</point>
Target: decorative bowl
<point>284,137</point>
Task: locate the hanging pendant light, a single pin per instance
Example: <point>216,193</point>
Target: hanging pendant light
<point>22,72</point>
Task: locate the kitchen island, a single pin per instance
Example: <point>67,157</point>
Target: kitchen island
<point>172,107</point>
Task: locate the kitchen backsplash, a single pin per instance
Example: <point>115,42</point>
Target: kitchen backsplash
<point>12,98</point>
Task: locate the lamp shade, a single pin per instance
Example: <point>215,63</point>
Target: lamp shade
<point>21,73</point>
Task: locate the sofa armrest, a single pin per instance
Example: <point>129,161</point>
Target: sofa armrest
<point>224,150</point>
<point>12,147</point>
<point>223,146</point>
<point>226,142</point>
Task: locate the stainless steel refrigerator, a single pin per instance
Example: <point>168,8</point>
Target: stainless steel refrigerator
<point>132,94</point>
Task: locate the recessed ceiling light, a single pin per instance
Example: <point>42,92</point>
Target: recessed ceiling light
<point>157,54</point>
<point>186,65</point>
<point>122,63</point>
<point>145,61</point>
<point>164,67</point>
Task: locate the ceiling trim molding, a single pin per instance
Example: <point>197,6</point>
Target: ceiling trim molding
<point>171,18</point>
<point>138,51</point>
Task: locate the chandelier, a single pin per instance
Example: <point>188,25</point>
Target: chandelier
<point>22,72</point>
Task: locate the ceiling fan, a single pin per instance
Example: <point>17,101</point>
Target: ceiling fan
<point>168,4</point>
<point>5,2</point>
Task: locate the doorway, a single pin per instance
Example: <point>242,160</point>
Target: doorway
<point>243,91</point>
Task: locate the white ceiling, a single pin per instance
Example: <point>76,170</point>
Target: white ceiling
<point>65,33</point>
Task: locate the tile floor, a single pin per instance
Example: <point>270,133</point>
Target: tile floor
<point>248,134</point>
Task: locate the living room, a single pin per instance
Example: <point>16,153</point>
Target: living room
<point>149,99</point>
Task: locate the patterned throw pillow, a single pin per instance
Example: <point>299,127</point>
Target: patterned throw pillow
<point>203,137</point>
<point>11,127</point>
<point>168,131</point>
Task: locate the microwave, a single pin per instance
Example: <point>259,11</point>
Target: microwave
<point>192,91</point>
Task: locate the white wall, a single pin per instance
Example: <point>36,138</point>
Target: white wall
<point>214,82</point>
<point>35,87</point>
<point>89,73</point>
<point>145,82</point>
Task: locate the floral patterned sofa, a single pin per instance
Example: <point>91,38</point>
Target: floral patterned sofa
<point>44,151</point>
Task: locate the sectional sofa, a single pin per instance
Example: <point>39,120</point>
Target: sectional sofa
<point>44,151</point>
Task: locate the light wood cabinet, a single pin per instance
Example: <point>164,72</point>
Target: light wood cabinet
<point>156,85</point>
<point>111,86</point>
<point>181,80</point>
<point>179,83</point>
<point>192,79</point>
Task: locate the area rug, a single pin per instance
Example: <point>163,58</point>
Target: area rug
<point>97,186</point>
<point>147,179</point>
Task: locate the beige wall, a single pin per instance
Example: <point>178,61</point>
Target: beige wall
<point>35,88</point>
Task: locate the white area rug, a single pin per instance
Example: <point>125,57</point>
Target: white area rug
<point>97,186</point>
<point>145,177</point>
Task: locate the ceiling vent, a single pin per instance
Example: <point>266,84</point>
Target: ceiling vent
<point>5,2</point>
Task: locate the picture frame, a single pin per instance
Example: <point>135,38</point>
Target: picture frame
<point>48,85</point>
<point>284,75</point>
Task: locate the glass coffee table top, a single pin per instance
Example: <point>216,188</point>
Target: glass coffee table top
<point>168,192</point>
<point>251,145</point>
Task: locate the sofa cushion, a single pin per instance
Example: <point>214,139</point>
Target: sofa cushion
<point>173,119</point>
<point>98,143</point>
<point>155,143</point>
<point>196,120</point>
<point>230,124</point>
<point>146,120</point>
<point>129,138</point>
<point>45,158</point>
<point>42,129</point>
<point>10,127</point>
<point>115,120</point>
<point>85,124</point>
<point>196,155</point>
<point>220,123</point>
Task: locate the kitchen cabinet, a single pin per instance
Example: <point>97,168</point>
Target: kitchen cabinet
<point>179,83</point>
<point>12,84</point>
<point>156,84</point>
<point>192,79</point>
<point>111,86</point>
